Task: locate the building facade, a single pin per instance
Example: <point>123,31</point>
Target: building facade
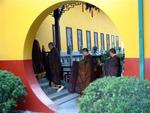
<point>21,19</point>
<point>79,29</point>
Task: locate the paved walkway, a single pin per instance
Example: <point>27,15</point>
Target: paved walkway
<point>69,107</point>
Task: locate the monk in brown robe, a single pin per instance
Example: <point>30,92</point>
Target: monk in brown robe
<point>98,72</point>
<point>37,60</point>
<point>114,66</point>
<point>73,77</point>
<point>46,64</point>
<point>54,65</point>
<point>85,72</point>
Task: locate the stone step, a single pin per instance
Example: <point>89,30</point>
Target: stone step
<point>44,84</point>
<point>48,90</point>
<point>59,95</point>
<point>66,98</point>
<point>52,93</point>
<point>69,107</point>
<point>43,80</point>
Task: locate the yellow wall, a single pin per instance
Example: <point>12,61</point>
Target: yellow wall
<point>76,19</point>
<point>44,34</point>
<point>20,20</point>
<point>147,28</point>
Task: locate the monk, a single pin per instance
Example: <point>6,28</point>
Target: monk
<point>54,65</point>
<point>46,64</point>
<point>85,72</point>
<point>98,72</point>
<point>37,60</point>
<point>114,66</point>
<point>73,77</point>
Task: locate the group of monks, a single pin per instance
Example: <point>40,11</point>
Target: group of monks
<point>83,72</point>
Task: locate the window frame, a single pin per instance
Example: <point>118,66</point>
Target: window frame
<point>102,41</point>
<point>108,40</point>
<point>113,41</point>
<point>95,40</point>
<point>87,31</point>
<point>67,37</point>
<point>117,41</point>
<point>78,39</point>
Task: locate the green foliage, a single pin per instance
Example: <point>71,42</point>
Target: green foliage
<point>116,95</point>
<point>11,90</point>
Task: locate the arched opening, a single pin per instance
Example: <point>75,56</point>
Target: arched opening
<point>28,51</point>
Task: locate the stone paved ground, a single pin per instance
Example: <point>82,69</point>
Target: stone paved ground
<point>69,107</point>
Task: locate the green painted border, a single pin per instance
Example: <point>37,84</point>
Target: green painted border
<point>141,39</point>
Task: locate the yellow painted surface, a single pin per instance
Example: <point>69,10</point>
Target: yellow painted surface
<point>76,19</point>
<point>20,20</point>
<point>146,28</point>
<point>44,34</point>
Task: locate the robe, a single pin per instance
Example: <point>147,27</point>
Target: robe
<point>114,66</point>
<point>46,65</point>
<point>37,60</point>
<point>54,65</point>
<point>85,74</point>
<point>73,77</point>
<point>98,72</point>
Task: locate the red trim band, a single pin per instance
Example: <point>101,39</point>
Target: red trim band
<point>37,99</point>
